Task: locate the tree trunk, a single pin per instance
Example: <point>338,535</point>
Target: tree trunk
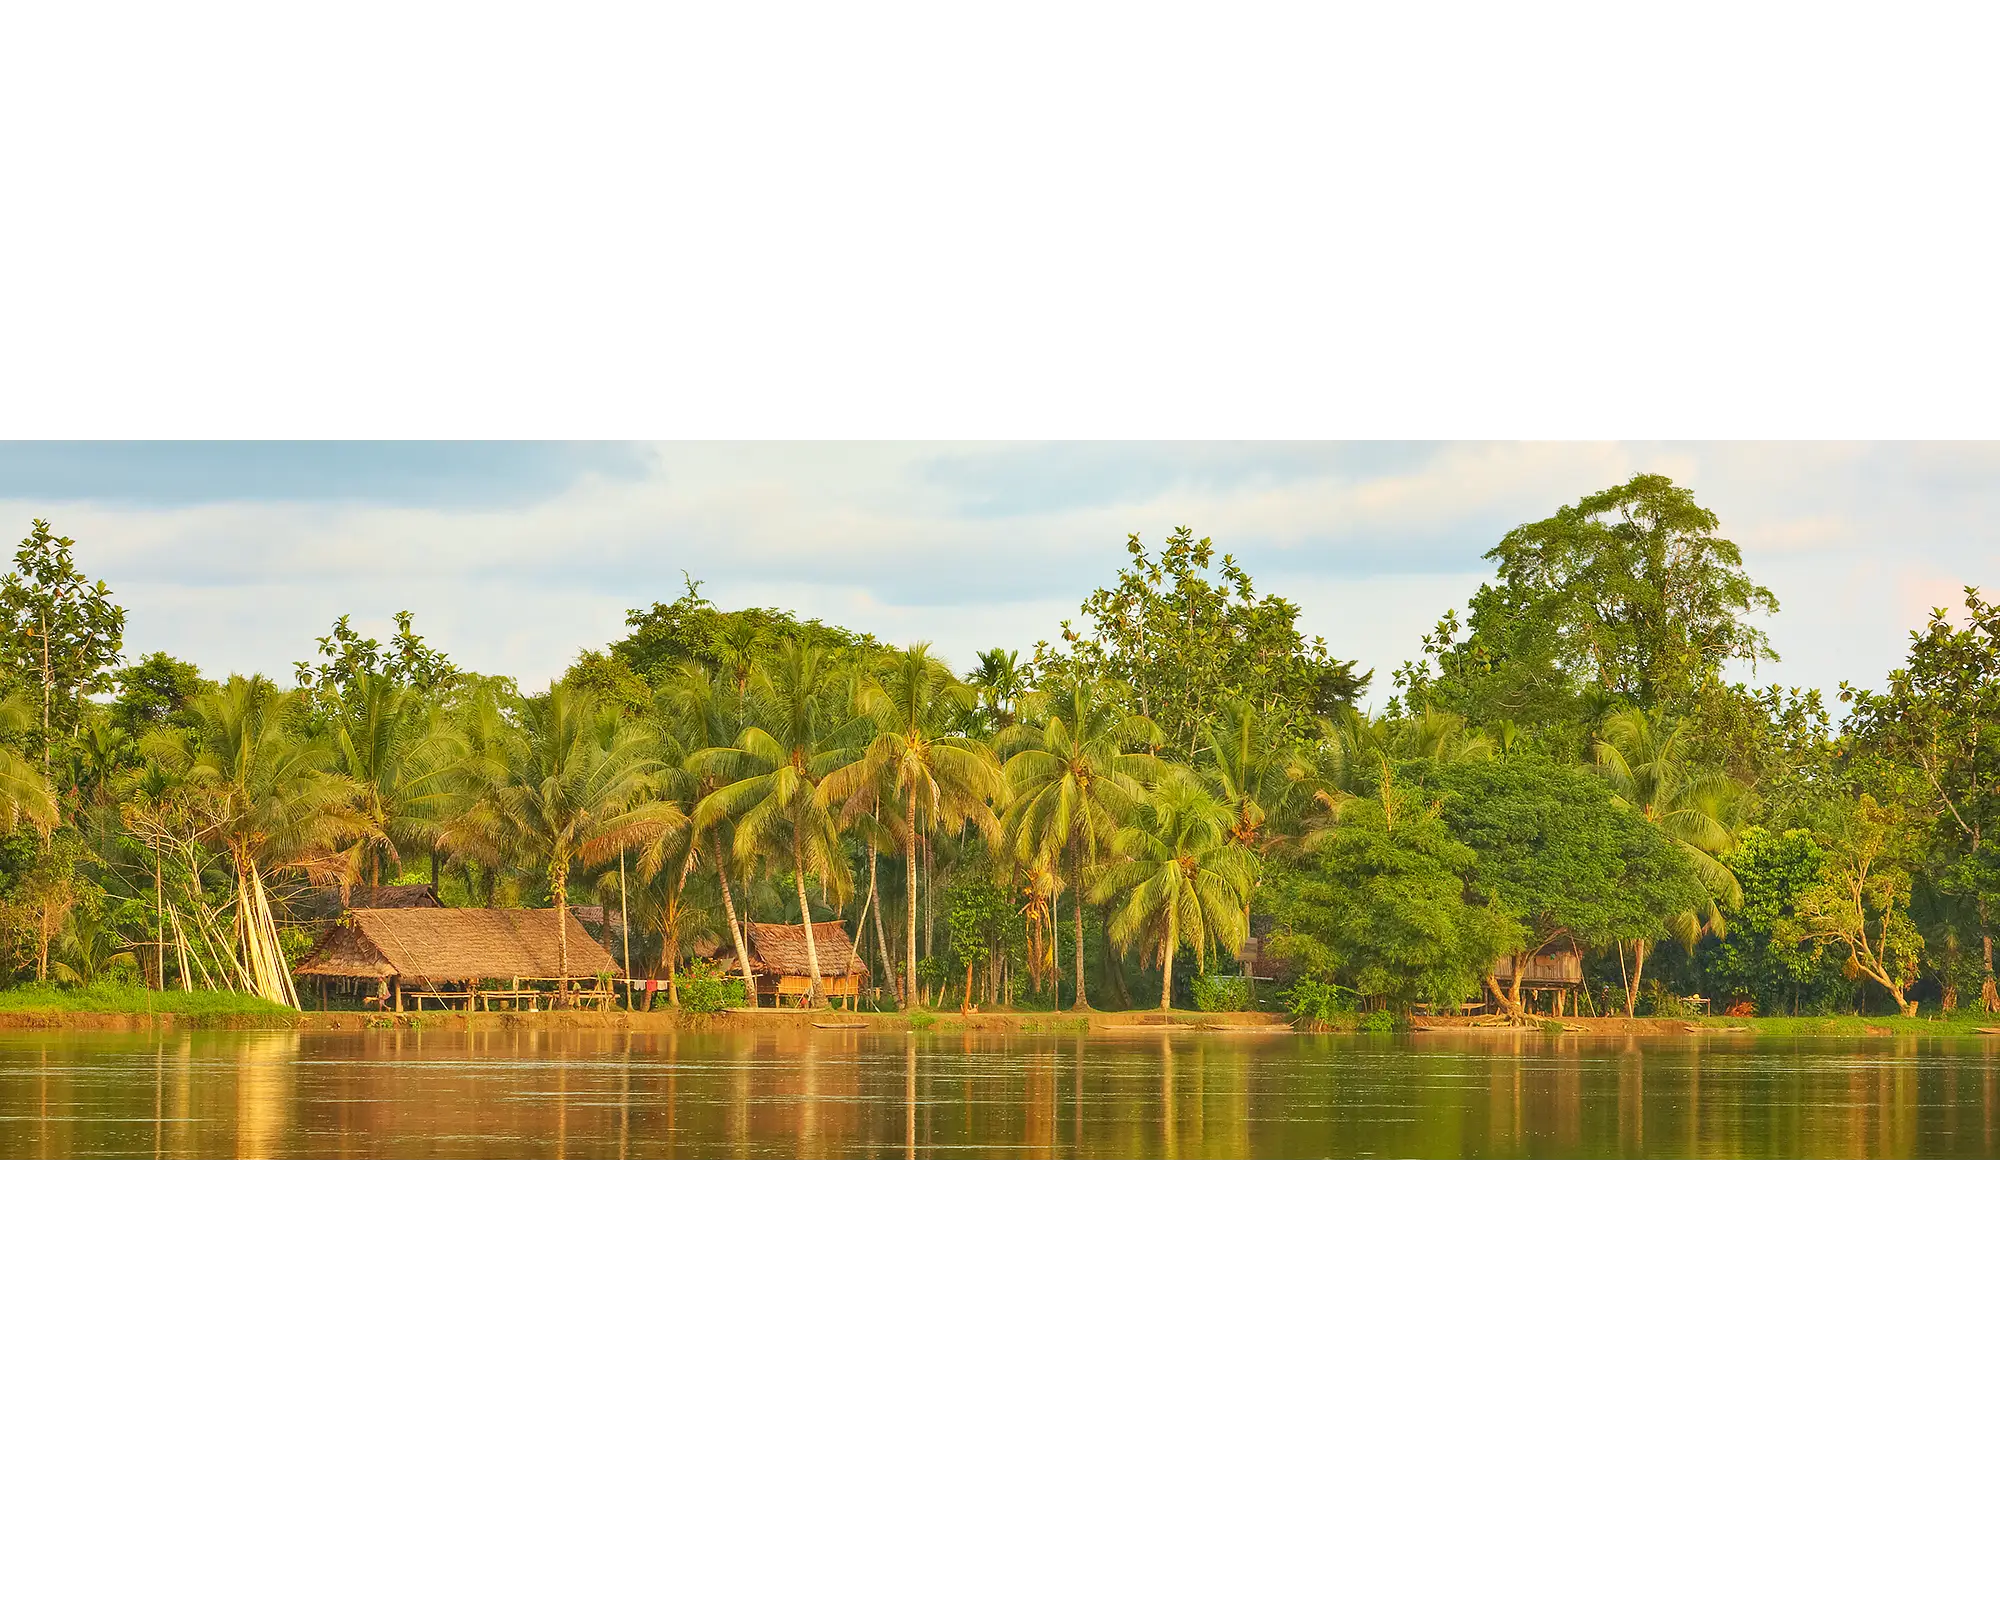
<point>1082,1004</point>
<point>735,929</point>
<point>1632,983</point>
<point>1167,964</point>
<point>1055,948</point>
<point>559,881</point>
<point>910,915</point>
<point>1512,1008</point>
<point>815,995</point>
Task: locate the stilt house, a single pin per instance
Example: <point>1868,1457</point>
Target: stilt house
<point>779,964</point>
<point>453,957</point>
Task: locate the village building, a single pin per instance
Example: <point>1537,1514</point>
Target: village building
<point>323,905</point>
<point>779,962</point>
<point>1555,970</point>
<point>429,955</point>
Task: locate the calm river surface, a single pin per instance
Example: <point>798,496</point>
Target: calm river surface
<point>852,1094</point>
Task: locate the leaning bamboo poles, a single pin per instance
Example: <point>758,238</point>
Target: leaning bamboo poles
<point>244,958</point>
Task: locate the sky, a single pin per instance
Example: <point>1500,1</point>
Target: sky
<point>516,556</point>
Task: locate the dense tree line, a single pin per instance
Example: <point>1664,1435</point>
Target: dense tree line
<point>1579,760</point>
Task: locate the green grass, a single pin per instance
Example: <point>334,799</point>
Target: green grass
<point>1959,1023</point>
<point>48,999</point>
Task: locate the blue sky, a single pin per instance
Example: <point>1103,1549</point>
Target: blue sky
<point>516,556</point>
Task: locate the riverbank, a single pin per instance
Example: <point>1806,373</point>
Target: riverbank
<point>117,1008</point>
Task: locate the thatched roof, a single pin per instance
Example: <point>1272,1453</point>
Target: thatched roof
<point>779,948</point>
<point>328,905</point>
<point>444,946</point>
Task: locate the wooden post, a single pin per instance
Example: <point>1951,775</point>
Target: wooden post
<point>625,919</point>
<point>396,988</point>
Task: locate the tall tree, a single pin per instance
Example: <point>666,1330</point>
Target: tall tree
<point>1184,642</point>
<point>1182,878</point>
<point>705,714</point>
<point>1644,761</point>
<point>59,632</point>
<point>1861,903</point>
<point>1933,733</point>
<point>400,756</point>
<point>1082,770</point>
<point>1632,592</point>
<point>1387,910</point>
<point>804,729</point>
<point>1555,848</point>
<point>577,787</point>
<point>936,776</point>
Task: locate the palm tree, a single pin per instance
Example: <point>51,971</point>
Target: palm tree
<point>773,777</point>
<point>1183,877</point>
<point>1082,772</point>
<point>93,950</point>
<point>480,719</point>
<point>1000,684</point>
<point>705,715</point>
<point>391,743</point>
<point>24,792</point>
<point>578,785</point>
<point>267,797</point>
<point>941,778</point>
<point>1250,766</point>
<point>1648,768</point>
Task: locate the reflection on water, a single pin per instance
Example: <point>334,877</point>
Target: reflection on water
<point>831,1093</point>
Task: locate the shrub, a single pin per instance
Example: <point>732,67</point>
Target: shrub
<point>1663,1002</point>
<point>1222,991</point>
<point>1383,1021</point>
<point>1315,1002</point>
<point>708,989</point>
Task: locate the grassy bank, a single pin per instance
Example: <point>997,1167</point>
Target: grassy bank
<point>47,1005</point>
<point>1959,1024</point>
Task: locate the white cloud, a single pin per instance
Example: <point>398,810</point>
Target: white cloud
<point>970,545</point>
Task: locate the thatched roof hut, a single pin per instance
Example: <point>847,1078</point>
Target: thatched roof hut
<point>778,958</point>
<point>430,945</point>
<point>331,904</point>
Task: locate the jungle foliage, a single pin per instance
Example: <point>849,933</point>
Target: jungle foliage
<point>1585,760</point>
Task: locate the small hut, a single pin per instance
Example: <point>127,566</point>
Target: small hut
<point>1555,969</point>
<point>778,961</point>
<point>450,957</point>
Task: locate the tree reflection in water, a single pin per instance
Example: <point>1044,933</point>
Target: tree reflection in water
<point>854,1093</point>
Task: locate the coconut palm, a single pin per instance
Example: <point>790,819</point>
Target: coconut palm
<point>24,792</point>
<point>803,729</point>
<point>391,743</point>
<point>1081,771</point>
<point>264,793</point>
<point>1000,683</point>
<point>1250,765</point>
<point>577,786</point>
<point>1183,878</point>
<point>1647,766</point>
<point>267,791</point>
<point>935,777</point>
<point>480,719</point>
<point>706,713</point>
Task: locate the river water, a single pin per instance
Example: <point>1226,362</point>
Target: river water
<point>829,1093</point>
